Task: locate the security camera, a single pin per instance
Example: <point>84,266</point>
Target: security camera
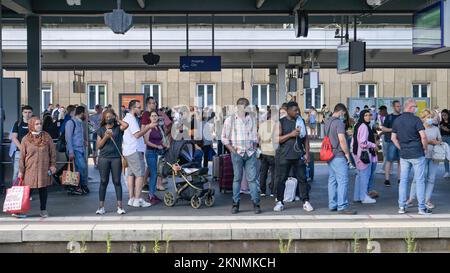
<point>151,59</point>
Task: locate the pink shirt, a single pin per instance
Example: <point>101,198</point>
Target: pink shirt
<point>363,145</point>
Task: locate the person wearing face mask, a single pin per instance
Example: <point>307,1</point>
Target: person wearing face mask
<point>363,141</point>
<point>76,146</point>
<point>338,166</point>
<point>434,138</point>
<point>109,140</point>
<point>37,162</point>
<point>408,135</point>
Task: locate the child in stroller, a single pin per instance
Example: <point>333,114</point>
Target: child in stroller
<point>179,162</point>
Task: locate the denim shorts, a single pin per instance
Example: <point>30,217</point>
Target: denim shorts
<point>393,154</point>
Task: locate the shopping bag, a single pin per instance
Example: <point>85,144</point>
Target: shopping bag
<point>289,190</point>
<point>17,199</point>
<point>70,177</point>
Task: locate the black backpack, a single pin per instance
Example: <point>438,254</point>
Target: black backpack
<point>61,143</point>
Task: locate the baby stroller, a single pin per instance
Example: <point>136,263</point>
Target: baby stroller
<point>179,163</point>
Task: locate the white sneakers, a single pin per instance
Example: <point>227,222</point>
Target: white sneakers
<point>138,203</point>
<point>368,200</point>
<point>446,175</point>
<point>120,211</point>
<point>102,211</point>
<point>307,206</point>
<point>279,206</point>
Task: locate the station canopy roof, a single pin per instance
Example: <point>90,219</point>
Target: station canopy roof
<point>386,12</point>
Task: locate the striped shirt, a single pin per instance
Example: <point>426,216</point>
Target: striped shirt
<point>243,136</point>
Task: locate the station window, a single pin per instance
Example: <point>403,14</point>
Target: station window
<point>421,90</point>
<point>367,90</point>
<point>206,95</point>
<point>46,96</point>
<point>97,95</point>
<point>152,90</point>
<point>314,97</point>
<point>263,95</point>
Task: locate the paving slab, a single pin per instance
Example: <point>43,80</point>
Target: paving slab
<point>57,232</point>
<point>127,232</point>
<point>265,231</point>
<point>11,233</point>
<point>196,232</point>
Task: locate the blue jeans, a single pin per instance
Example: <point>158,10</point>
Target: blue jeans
<point>81,166</point>
<point>446,139</point>
<point>16,159</point>
<point>349,142</point>
<point>418,165</point>
<point>152,162</point>
<point>362,182</point>
<point>249,164</point>
<point>372,176</point>
<point>430,177</point>
<point>338,183</point>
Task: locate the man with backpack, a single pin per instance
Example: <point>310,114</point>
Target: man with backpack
<point>76,147</point>
<point>335,151</point>
<point>293,152</point>
<point>240,136</point>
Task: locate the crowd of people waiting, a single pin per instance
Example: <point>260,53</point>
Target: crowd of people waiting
<point>273,143</point>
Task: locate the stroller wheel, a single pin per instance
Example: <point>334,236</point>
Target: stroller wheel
<point>169,199</point>
<point>196,202</point>
<point>209,200</point>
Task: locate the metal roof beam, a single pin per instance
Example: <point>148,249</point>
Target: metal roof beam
<point>230,7</point>
<point>19,6</point>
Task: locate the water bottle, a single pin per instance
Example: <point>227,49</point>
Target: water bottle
<point>307,172</point>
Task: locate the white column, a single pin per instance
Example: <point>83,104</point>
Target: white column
<point>282,91</point>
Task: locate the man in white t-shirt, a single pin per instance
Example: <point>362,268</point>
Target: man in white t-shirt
<point>133,148</point>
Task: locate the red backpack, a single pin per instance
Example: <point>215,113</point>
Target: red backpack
<point>326,151</point>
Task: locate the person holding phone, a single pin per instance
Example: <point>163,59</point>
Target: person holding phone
<point>109,142</point>
<point>155,146</point>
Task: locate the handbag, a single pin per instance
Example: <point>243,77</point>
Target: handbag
<point>124,160</point>
<point>17,199</point>
<point>439,152</point>
<point>70,178</point>
<point>365,157</point>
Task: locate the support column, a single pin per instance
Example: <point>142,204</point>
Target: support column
<point>2,114</point>
<point>282,92</point>
<point>34,62</point>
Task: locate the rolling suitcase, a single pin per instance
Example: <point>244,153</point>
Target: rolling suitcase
<point>226,176</point>
<point>216,167</point>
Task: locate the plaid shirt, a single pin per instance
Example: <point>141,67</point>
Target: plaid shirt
<point>243,136</point>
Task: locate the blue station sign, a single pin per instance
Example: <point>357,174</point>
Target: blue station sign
<point>200,63</point>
